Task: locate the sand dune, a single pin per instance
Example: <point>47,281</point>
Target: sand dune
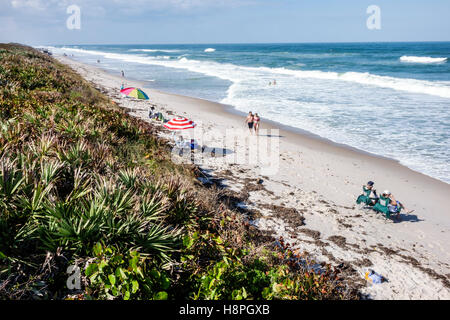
<point>310,201</point>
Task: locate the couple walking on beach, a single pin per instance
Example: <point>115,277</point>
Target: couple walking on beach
<point>252,121</point>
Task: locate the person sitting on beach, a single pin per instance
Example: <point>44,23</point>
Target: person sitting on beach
<point>366,197</point>
<point>180,142</point>
<point>249,121</point>
<point>369,186</point>
<point>150,112</point>
<point>256,120</point>
<point>156,115</point>
<point>394,204</point>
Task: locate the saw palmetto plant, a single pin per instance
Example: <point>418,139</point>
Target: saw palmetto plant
<point>83,183</point>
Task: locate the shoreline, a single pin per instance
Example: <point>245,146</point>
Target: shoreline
<point>321,179</point>
<point>304,134</point>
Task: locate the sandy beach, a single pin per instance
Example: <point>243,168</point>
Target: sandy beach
<point>319,180</point>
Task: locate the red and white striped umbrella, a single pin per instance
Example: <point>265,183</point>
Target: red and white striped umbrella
<point>179,123</point>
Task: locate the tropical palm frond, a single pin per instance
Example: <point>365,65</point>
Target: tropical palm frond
<point>153,206</point>
<point>81,185</point>
<point>45,145</point>
<point>50,171</point>
<point>36,201</point>
<point>128,177</point>
<point>77,155</point>
<point>11,178</point>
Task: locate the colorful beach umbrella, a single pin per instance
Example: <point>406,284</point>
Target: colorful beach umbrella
<point>179,123</point>
<point>135,93</point>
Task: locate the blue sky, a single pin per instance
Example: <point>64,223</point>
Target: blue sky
<point>222,21</point>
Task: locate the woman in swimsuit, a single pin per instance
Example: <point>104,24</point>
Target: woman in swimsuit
<point>249,121</point>
<point>256,120</point>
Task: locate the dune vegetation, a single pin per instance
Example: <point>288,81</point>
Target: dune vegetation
<point>84,185</point>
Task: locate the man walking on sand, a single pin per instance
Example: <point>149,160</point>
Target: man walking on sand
<point>249,121</point>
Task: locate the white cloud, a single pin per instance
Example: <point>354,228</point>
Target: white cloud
<point>142,5</point>
<point>40,4</point>
<point>178,4</point>
<point>50,10</point>
<point>34,4</point>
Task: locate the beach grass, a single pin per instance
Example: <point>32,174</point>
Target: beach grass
<point>83,183</point>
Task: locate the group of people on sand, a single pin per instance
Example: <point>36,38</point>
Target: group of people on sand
<point>253,121</point>
<point>393,206</point>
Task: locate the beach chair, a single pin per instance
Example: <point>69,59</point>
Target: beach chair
<point>382,206</point>
<point>365,197</point>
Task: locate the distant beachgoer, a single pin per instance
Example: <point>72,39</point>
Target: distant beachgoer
<point>122,87</point>
<point>274,82</point>
<point>180,145</point>
<point>249,121</point>
<point>270,83</point>
<point>98,61</point>
<point>256,120</point>
<point>123,74</point>
<point>158,116</point>
<point>150,112</point>
<point>394,204</point>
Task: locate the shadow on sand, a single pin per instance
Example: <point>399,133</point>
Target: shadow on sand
<point>209,152</point>
<point>402,218</point>
<point>270,135</point>
<point>407,218</point>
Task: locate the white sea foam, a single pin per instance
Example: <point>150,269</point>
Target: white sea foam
<point>326,103</point>
<point>210,50</point>
<point>153,50</point>
<point>236,73</point>
<point>414,59</point>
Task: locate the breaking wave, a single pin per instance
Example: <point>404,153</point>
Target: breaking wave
<point>414,59</point>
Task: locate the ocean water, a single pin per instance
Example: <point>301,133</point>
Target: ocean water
<point>391,99</point>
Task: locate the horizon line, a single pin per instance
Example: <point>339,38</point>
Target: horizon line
<point>248,43</point>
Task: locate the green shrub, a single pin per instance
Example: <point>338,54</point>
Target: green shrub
<point>76,170</point>
<point>112,275</point>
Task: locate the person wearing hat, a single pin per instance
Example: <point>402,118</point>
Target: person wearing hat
<point>394,204</point>
<point>369,186</point>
